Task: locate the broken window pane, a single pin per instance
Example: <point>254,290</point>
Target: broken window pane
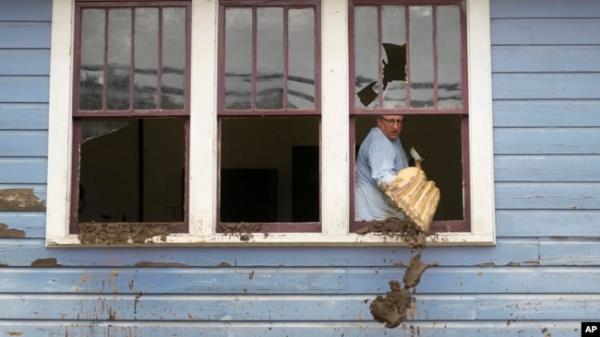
<point>421,56</point>
<point>173,58</point>
<point>238,58</point>
<point>146,58</point>
<point>449,56</point>
<point>271,178</point>
<point>269,58</point>
<point>91,68</point>
<point>393,27</point>
<point>132,170</point>
<point>301,54</point>
<point>119,58</point>
<point>366,57</point>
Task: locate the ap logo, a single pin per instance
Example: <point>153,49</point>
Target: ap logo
<point>590,329</point>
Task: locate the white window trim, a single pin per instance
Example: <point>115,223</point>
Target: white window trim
<point>335,192</point>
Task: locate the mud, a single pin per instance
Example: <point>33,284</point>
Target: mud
<point>412,275</point>
<point>243,230</point>
<point>111,233</point>
<point>20,199</point>
<point>392,309</point>
<point>6,232</point>
<point>410,233</point>
<point>49,262</point>
<point>546,332</point>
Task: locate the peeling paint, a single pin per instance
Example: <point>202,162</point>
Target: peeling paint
<point>49,262</point>
<point>20,199</point>
<point>6,232</point>
<point>159,264</point>
<point>111,233</point>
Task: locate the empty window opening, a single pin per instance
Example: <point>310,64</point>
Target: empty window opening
<point>131,170</point>
<point>439,140</point>
<point>269,169</point>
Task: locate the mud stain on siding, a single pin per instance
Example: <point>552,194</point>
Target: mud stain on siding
<point>20,199</point>
<point>159,264</point>
<point>6,232</point>
<point>49,262</point>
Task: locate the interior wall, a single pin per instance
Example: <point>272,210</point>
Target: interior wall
<point>110,173</point>
<point>266,143</point>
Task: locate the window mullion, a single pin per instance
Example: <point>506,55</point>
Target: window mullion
<point>335,214</point>
<point>286,53</point>
<point>203,120</point>
<point>435,55</point>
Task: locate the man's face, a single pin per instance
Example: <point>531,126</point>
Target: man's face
<point>391,125</point>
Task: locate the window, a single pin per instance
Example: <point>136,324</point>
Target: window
<point>269,112</point>
<point>130,118</point>
<point>196,130</point>
<point>410,59</point>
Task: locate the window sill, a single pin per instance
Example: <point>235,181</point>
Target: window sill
<point>287,239</point>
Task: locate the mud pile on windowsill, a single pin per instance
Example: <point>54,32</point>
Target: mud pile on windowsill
<point>111,233</point>
<point>392,308</point>
<point>244,230</point>
<point>410,233</point>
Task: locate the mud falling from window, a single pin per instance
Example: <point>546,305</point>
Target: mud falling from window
<point>392,308</point>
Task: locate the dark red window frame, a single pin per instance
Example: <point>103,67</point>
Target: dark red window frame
<point>268,227</point>
<point>80,115</point>
<point>462,111</point>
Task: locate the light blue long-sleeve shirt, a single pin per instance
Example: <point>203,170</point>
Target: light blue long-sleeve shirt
<point>379,160</point>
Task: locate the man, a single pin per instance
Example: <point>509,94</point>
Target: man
<point>380,157</point>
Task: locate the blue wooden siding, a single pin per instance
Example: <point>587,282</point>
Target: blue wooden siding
<point>541,279</point>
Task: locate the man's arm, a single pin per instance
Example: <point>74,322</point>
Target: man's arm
<point>381,161</point>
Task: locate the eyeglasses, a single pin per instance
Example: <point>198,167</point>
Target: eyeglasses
<point>392,121</point>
